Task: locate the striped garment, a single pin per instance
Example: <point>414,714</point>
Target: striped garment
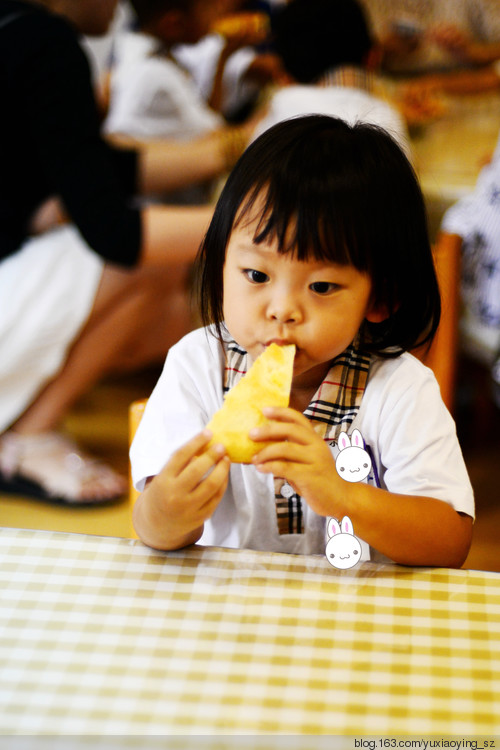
<point>332,410</point>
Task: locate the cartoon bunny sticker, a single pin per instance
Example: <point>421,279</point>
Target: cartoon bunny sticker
<point>353,462</point>
<point>343,550</point>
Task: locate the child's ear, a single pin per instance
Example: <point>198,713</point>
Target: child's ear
<point>377,312</point>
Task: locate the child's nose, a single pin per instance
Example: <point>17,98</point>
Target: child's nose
<point>284,310</point>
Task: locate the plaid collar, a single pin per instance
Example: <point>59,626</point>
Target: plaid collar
<point>337,400</point>
<point>332,410</point>
<point>351,76</point>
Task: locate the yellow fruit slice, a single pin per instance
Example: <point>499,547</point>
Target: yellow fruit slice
<point>267,383</point>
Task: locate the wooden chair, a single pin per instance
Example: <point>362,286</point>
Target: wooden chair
<point>443,353</point>
<point>136,410</point>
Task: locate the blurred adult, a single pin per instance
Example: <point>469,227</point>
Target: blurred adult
<point>103,291</point>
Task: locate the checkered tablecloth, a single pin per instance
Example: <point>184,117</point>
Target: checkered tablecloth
<point>103,636</point>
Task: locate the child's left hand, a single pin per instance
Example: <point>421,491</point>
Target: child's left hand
<point>299,455</point>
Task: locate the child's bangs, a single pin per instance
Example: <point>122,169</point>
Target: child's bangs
<point>316,231</point>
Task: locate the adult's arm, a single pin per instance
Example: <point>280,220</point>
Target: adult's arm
<point>95,182</point>
<point>165,165</point>
<point>58,147</point>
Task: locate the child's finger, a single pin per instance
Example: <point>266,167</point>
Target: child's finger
<point>288,451</point>
<point>285,414</point>
<point>185,454</point>
<point>283,426</point>
<point>214,485</point>
<point>199,468</point>
<point>280,433</point>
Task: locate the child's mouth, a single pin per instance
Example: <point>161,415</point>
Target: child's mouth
<point>279,342</point>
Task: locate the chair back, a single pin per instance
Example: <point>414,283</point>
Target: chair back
<point>441,357</point>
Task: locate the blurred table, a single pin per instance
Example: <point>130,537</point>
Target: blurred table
<point>450,151</point>
<point>103,636</point>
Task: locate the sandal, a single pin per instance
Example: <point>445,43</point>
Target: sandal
<point>49,466</point>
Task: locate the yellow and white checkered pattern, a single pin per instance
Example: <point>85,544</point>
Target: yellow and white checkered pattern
<point>103,636</point>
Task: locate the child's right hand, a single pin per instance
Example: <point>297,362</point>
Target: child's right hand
<point>171,511</point>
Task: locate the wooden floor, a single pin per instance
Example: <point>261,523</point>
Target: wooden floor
<point>100,423</point>
<point>478,426</point>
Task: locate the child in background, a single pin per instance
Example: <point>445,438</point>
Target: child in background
<point>319,239</point>
<point>152,93</point>
<point>332,67</point>
<point>233,64</point>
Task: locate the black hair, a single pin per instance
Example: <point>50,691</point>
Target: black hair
<point>341,193</point>
<point>314,36</point>
<point>147,11</point>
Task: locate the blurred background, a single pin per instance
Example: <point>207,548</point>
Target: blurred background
<point>433,67</point>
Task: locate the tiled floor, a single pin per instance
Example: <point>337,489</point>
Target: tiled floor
<point>100,423</point>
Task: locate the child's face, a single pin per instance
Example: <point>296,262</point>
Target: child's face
<point>318,306</point>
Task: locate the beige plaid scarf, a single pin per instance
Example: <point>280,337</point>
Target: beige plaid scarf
<point>332,409</point>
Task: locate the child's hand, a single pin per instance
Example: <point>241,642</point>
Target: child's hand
<point>300,456</point>
<point>174,506</point>
<point>195,479</point>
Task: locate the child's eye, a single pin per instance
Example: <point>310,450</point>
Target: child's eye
<point>323,287</point>
<point>256,277</point>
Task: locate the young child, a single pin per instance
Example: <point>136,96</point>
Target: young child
<point>154,92</point>
<point>151,95</point>
<point>318,239</point>
<point>332,67</point>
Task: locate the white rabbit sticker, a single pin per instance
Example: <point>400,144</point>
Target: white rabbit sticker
<point>343,549</point>
<point>353,463</point>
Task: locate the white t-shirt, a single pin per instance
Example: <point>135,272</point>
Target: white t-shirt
<point>202,59</point>
<point>402,419</point>
<point>152,97</point>
<point>350,104</point>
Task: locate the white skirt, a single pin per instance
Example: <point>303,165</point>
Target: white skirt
<point>47,291</point>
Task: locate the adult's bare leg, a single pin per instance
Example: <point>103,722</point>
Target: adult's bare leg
<point>136,316</point>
